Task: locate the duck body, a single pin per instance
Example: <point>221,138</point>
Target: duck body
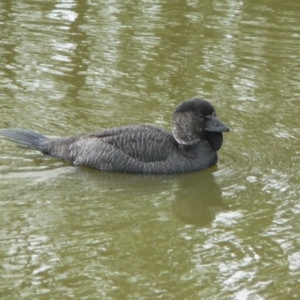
<point>134,148</point>
<point>193,145</point>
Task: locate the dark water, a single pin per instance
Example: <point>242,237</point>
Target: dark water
<point>229,232</point>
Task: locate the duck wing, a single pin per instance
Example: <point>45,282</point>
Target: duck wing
<point>128,145</point>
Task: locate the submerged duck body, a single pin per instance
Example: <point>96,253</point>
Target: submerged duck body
<point>193,144</point>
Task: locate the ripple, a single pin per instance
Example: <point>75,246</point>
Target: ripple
<point>37,175</point>
<point>240,160</point>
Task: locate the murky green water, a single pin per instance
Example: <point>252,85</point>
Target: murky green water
<point>230,232</point>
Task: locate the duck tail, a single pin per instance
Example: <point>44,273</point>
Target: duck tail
<point>26,138</point>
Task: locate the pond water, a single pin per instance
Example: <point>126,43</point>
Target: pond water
<point>228,232</point>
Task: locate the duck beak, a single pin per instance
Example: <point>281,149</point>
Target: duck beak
<point>215,125</point>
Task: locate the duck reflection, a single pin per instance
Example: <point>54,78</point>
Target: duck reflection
<point>195,197</point>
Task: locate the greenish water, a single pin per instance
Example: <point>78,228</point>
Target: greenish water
<point>229,232</point>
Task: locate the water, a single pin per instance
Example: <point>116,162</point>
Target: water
<point>229,232</point>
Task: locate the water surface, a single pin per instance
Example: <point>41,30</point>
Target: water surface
<point>229,232</point>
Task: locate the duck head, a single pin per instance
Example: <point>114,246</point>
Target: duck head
<point>194,120</point>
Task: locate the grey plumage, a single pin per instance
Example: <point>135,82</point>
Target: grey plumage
<point>197,135</point>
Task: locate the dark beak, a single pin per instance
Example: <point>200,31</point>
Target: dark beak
<point>215,125</point>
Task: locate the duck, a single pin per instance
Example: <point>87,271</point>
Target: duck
<point>197,135</point>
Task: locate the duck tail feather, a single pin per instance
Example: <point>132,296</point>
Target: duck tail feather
<point>25,138</point>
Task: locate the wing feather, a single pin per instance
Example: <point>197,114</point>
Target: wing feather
<point>131,144</point>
